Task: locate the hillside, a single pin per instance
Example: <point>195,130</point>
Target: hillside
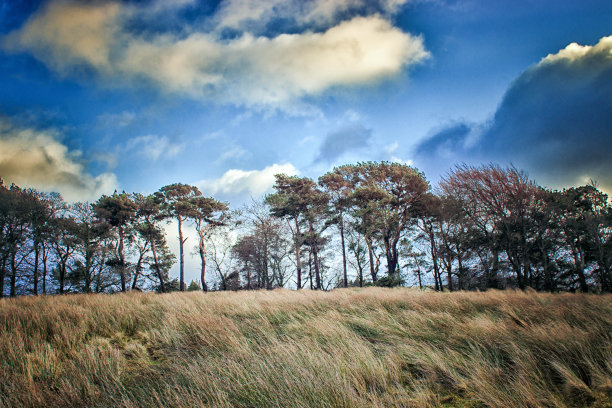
<point>346,348</point>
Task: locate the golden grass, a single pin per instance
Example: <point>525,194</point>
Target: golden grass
<point>371,347</point>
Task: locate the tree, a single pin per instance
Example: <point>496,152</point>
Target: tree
<point>298,199</point>
<point>177,205</point>
<point>117,211</point>
<point>263,249</point>
<point>65,243</point>
<point>220,252</point>
<point>503,203</point>
<point>586,220</point>
<point>363,213</point>
<point>161,266</point>
<point>151,212</point>
<point>207,214</point>
<point>444,229</point>
<point>429,224</point>
<point>40,217</point>
<point>17,207</point>
<point>289,203</point>
<point>357,248</point>
<point>91,235</point>
<point>339,185</point>
<point>193,286</point>
<point>415,259</point>
<point>389,196</point>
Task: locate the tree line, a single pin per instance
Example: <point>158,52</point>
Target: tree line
<point>372,223</point>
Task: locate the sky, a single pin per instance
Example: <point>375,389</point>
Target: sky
<point>97,96</point>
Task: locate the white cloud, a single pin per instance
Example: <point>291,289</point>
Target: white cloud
<point>274,71</point>
<point>239,182</point>
<point>575,52</point>
<point>117,120</point>
<point>246,15</point>
<point>234,153</point>
<point>352,116</point>
<point>251,69</point>
<point>64,34</point>
<point>35,158</point>
<point>236,13</point>
<point>164,6</point>
<point>401,161</point>
<point>389,152</point>
<point>390,149</point>
<point>154,147</point>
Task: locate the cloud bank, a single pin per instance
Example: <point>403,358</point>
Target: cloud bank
<point>555,121</point>
<point>255,67</point>
<point>35,158</point>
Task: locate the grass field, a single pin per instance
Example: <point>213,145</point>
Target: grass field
<point>347,348</point>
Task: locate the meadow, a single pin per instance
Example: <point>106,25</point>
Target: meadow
<point>370,347</point>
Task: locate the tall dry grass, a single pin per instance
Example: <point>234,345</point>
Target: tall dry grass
<point>347,348</point>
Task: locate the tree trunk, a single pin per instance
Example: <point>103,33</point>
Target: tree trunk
<point>604,267</point>
<point>579,266</point>
<point>371,257</point>
<point>391,254</point>
<point>298,254</point>
<point>182,255</point>
<point>460,272</point>
<point>315,256</point>
<point>266,273</point>
<point>121,261</point>
<point>248,271</point>
<point>62,277</point>
<point>2,276</point>
<point>359,267</point>
<point>138,269</point>
<point>35,283</point>
<point>44,282</point>
<point>517,266</point>
<point>310,268</point>
<point>13,273</point>
<point>345,275</point>
<point>390,264</point>
<point>395,258</point>
<point>202,248</point>
<point>434,259</point>
<point>416,261</point>
<point>317,271</point>
<point>88,268</point>
<point>493,281</point>
<point>606,277</point>
<point>160,276</point>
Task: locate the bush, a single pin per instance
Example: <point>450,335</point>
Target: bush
<point>193,286</point>
<point>390,281</point>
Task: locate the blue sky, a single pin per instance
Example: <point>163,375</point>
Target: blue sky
<point>103,95</point>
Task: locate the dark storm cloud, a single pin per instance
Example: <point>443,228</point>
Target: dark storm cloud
<point>446,142</point>
<point>555,121</point>
<point>341,141</point>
